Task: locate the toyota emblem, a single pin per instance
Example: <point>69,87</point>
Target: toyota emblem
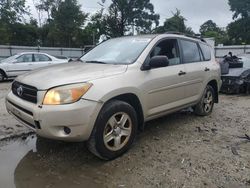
<point>20,91</point>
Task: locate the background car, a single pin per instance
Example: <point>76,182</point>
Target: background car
<point>63,57</point>
<point>238,79</point>
<point>23,62</point>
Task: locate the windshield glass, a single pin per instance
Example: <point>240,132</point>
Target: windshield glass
<point>117,51</point>
<point>9,59</point>
<point>246,61</point>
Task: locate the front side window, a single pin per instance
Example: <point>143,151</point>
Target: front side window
<point>191,52</point>
<point>41,57</point>
<point>206,50</point>
<point>169,48</point>
<point>24,58</point>
<point>124,50</point>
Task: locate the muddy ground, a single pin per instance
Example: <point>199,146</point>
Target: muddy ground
<point>9,127</point>
<point>180,150</point>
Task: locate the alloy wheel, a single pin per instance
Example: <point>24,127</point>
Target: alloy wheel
<point>208,102</point>
<point>117,131</point>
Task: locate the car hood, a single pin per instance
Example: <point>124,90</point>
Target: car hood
<point>4,62</point>
<point>63,74</point>
<point>237,72</point>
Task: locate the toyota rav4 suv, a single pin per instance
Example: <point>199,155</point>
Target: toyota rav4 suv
<point>107,95</point>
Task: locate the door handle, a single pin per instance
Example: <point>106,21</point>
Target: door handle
<point>181,73</point>
<point>207,69</point>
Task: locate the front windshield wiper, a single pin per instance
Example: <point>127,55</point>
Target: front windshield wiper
<point>98,62</point>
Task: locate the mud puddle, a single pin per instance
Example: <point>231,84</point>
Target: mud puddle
<point>35,162</point>
<point>10,156</point>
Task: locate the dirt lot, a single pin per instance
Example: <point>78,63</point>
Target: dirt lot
<point>180,150</point>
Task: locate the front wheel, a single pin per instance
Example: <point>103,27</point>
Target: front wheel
<point>1,76</point>
<point>115,130</point>
<point>206,104</point>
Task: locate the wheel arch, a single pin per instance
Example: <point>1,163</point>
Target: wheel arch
<point>4,73</point>
<point>214,85</point>
<point>135,102</point>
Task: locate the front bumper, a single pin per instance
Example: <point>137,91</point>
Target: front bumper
<point>50,120</point>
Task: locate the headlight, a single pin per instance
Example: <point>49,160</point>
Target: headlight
<point>66,94</point>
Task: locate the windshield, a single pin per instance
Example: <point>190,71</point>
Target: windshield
<point>9,59</point>
<point>117,51</point>
<point>246,61</point>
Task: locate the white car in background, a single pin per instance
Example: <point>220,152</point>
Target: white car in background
<point>23,62</point>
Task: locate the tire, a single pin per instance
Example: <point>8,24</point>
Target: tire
<point>206,104</point>
<point>114,131</point>
<point>2,76</point>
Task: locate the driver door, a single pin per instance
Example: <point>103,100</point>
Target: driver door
<point>164,86</point>
<point>41,60</point>
<point>22,65</point>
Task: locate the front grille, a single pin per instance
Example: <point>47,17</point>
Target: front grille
<point>25,92</point>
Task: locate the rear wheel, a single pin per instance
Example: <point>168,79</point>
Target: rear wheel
<point>206,104</point>
<point>115,130</point>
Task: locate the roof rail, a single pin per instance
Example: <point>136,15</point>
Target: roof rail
<point>187,35</point>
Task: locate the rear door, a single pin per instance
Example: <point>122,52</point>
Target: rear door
<point>193,62</point>
<point>207,63</point>
<point>41,60</point>
<point>22,65</point>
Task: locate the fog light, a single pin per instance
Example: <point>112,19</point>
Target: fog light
<point>67,130</point>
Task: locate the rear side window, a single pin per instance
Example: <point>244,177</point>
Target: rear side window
<point>206,50</point>
<point>41,57</point>
<point>190,51</point>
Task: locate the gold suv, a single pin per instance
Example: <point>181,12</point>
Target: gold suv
<point>107,95</point>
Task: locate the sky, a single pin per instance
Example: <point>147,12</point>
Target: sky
<point>195,11</point>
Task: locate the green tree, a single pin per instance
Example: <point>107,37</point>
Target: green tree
<point>4,33</point>
<point>210,30</point>
<point>94,29</point>
<point>239,30</point>
<point>209,26</point>
<point>24,34</point>
<point>12,11</point>
<point>128,16</point>
<point>240,8</point>
<point>176,24</point>
<point>219,37</point>
<point>47,6</point>
<point>67,21</point>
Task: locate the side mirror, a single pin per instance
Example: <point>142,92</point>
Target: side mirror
<point>156,62</point>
